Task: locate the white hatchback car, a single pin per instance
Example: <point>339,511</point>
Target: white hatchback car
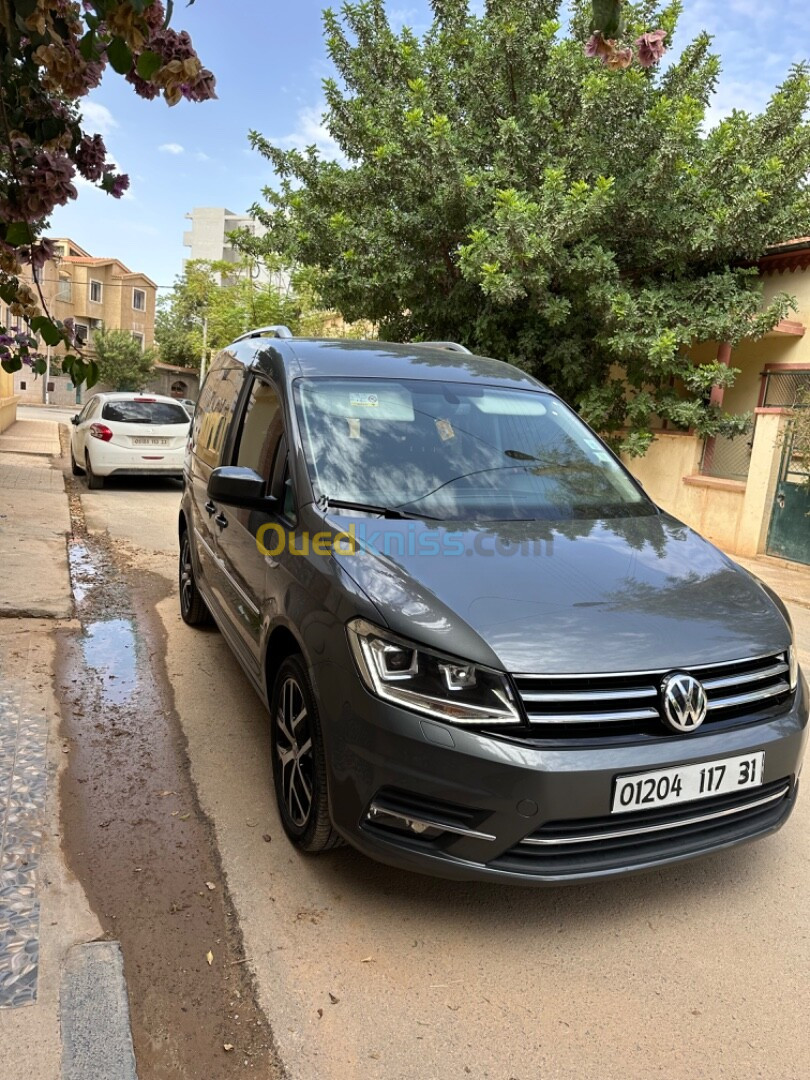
<point>128,434</point>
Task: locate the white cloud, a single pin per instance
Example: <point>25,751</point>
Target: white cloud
<point>750,96</point>
<point>201,156</point>
<point>97,118</point>
<point>311,131</point>
<point>172,148</point>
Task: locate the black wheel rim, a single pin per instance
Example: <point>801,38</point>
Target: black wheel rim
<point>294,761</point>
<point>186,575</point>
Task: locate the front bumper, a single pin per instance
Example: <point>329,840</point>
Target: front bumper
<point>382,756</point>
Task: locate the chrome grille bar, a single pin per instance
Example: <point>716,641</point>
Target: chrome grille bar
<point>593,717</point>
<point>746,699</point>
<point>746,677</point>
<point>595,838</point>
<point>591,695</point>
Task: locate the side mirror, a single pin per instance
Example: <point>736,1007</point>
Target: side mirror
<point>236,486</point>
<point>75,420</point>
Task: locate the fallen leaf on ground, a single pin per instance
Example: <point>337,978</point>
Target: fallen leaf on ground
<point>209,956</point>
<point>367,960</point>
<point>227,1046</point>
<point>185,817</point>
<point>333,999</point>
<point>252,824</point>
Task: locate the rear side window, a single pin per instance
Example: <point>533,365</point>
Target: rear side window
<point>144,412</point>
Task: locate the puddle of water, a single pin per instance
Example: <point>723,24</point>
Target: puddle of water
<point>109,650</point>
<point>83,574</point>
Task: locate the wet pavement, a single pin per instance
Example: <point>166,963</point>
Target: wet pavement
<point>136,837</point>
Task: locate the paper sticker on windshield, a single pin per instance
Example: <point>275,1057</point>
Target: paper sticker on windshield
<point>445,430</point>
<point>365,401</point>
<point>354,428</point>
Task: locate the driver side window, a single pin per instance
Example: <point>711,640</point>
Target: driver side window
<point>262,429</point>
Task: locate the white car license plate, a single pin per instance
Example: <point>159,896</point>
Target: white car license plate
<point>687,783</point>
<point>142,440</point>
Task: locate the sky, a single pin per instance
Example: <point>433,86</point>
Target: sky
<point>269,59</point>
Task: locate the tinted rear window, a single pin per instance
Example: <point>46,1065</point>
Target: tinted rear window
<point>145,412</point>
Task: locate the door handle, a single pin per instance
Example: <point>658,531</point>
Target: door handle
<point>210,508</point>
<point>221,520</point>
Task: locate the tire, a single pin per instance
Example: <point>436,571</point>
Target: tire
<point>94,483</point>
<point>298,760</point>
<point>77,470</point>
<point>193,609</point>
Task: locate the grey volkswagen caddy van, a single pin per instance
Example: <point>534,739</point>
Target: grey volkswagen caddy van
<point>485,652</point>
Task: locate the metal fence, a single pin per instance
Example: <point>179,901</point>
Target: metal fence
<point>785,388</point>
<point>728,458</point>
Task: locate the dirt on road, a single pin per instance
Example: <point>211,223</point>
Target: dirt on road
<point>136,837</point>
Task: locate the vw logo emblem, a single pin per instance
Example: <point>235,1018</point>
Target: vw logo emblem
<point>685,702</point>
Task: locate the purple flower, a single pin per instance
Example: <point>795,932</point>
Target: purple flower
<point>37,254</point>
<point>651,47</point>
<point>90,157</point>
<point>596,46</point>
<point>112,184</point>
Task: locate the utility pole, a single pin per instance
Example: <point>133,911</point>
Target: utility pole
<point>46,399</point>
<point>204,350</point>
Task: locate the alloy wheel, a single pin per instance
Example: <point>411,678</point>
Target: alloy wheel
<point>293,744</point>
<point>186,576</point>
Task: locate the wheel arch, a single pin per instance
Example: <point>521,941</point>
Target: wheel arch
<point>281,643</point>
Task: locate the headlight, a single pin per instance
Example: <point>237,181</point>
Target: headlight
<point>793,667</point>
<point>428,682</point>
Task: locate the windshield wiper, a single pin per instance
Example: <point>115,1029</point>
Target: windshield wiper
<point>325,505</point>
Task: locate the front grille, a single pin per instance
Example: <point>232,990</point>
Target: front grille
<point>601,844</point>
<point>588,706</point>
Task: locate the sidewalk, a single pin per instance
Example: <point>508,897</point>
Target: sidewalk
<point>45,921</point>
<point>34,523</point>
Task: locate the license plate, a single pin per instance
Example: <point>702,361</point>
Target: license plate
<point>687,783</point>
<point>142,440</point>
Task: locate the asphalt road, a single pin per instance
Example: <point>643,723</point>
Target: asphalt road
<point>370,973</point>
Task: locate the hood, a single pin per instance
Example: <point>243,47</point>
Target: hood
<point>626,594</point>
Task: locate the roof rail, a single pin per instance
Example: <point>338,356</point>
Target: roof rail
<point>452,346</point>
<point>266,331</point>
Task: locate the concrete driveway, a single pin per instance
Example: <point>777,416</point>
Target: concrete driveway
<point>370,973</point>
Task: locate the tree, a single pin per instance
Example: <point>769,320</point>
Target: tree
<point>52,52</point>
<point>500,188</point>
<point>232,301</point>
<point>122,363</point>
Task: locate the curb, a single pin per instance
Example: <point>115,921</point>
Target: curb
<point>94,1006</point>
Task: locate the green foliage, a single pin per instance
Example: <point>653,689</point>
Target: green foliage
<point>228,297</point>
<point>120,360</point>
<point>499,188</point>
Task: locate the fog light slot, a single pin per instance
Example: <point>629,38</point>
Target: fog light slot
<point>426,828</point>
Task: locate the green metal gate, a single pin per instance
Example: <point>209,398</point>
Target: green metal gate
<point>789,532</point>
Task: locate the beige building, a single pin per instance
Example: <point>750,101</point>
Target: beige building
<point>95,292</point>
<point>208,239</point>
<point>750,494</point>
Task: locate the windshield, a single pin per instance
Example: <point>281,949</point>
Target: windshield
<point>144,412</point>
<point>458,451</point>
